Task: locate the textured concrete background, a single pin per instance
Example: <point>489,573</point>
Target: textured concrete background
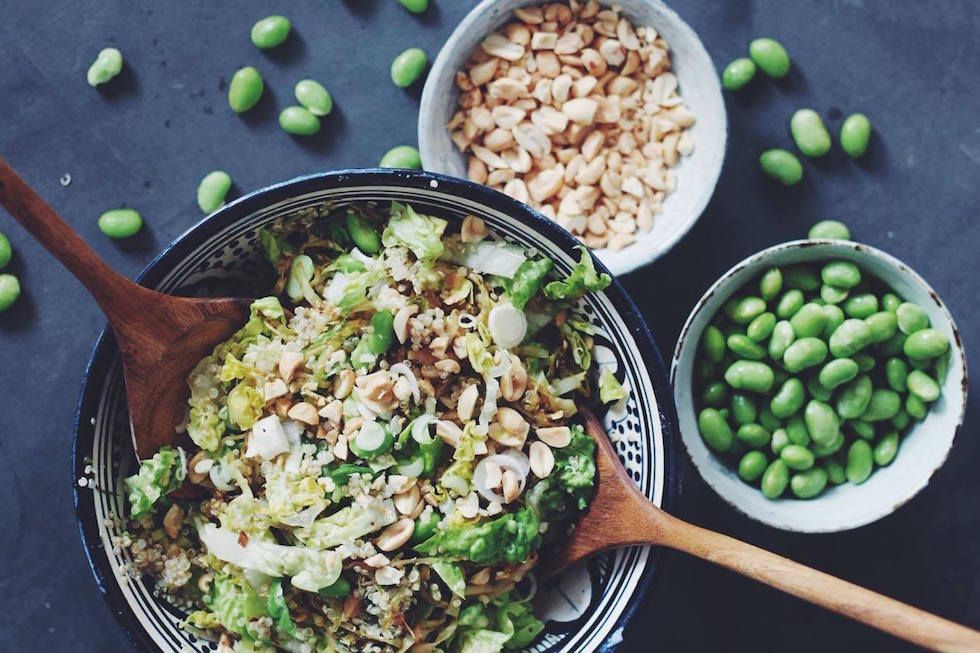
<point>146,139</point>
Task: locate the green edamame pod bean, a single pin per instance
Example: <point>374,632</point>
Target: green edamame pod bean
<point>842,274</point>
<point>809,133</point>
<point>884,404</point>
<point>862,429</point>
<point>775,479</point>
<point>747,309</point>
<point>270,32</point>
<point>782,337</point>
<point>402,156</point>
<point>767,419</point>
<point>383,330</point>
<point>922,386</point>
<point>838,371</point>
<point>779,441</point>
<point>738,73</point>
<point>245,89</point>
<point>915,407</point>
<point>893,346</point>
<point>829,230</point>
<point>859,462</point>
<point>715,430</point>
<point>911,318</point>
<point>363,233</point>
<point>771,283</point>
<point>743,408</point>
<point>883,325</point>
<point>942,368</point>
<point>312,95</point>
<point>408,67</point>
<point>821,422</point>
<point>925,344</point>
<point>752,466</point>
<point>713,343</point>
<point>818,390</point>
<point>808,484</point>
<point>835,471</point>
<point>797,457</point>
<point>865,362</point>
<point>860,306</point>
<point>789,303</point>
<point>920,364</point>
<point>750,375</point>
<point>212,190</point>
<point>120,223</point>
<point>9,291</point>
<point>753,435</point>
<point>855,133</point>
<point>415,6</point>
<point>425,526</point>
<point>804,353</point>
<point>299,121</point>
<point>835,318</point>
<point>833,294</point>
<point>715,394</point>
<point>770,56</point>
<point>854,397</point>
<point>809,321</point>
<point>797,432</point>
<point>761,327</point>
<point>886,449</point>
<point>107,65</point>
<point>781,165</point>
<point>849,338</point>
<point>890,302</point>
<point>704,370</point>
<point>788,399</point>
<point>745,347</point>
<point>822,451</point>
<point>6,251</point>
<point>897,373</point>
<point>803,277</point>
<point>901,420</point>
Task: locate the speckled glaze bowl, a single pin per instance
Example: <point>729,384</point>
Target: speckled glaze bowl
<point>697,174</point>
<point>923,449</point>
<point>590,606</point>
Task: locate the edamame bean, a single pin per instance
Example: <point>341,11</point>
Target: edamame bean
<point>715,430</point>
<point>363,233</point>
<point>860,306</point>
<point>6,251</point>
<point>120,223</point>
<point>890,302</point>
<point>855,133</point>
<point>312,95</point>
<point>738,73</point>
<point>782,337</point>
<point>743,408</point>
<point>842,274</point>
<point>817,390</point>
<point>809,484</point>
<point>838,371</point>
<point>942,368</point>
<point>835,471</point>
<point>713,343</point>
<point>753,435</point>
<point>804,353</point>
<point>245,89</point>
<point>715,395</point>
<point>107,65</point>
<point>883,325</point>
<point>911,318</point>
<point>896,373</point>
<point>797,432</point>
<point>775,479</point>
<point>769,55</point>
<point>829,230</point>
<point>886,449</point>
<point>789,303</point>
<point>925,344</point>
<point>859,462</point>
<point>779,441</point>
<point>922,386</point>
<point>915,407</point>
<point>809,133</point>
<point>752,466</point>
<point>901,420</point>
<point>893,346</point>
<point>270,32</point>
<point>767,419</point>
<point>821,422</point>
<point>747,309</point>
<point>797,457</point>
<point>835,318</point>
<point>298,121</point>
<point>865,362</point>
<point>771,283</point>
<point>408,67</point>
<point>884,404</point>
<point>824,450</point>
<point>744,347</point>
<point>862,429</point>
<point>802,277</point>
<point>402,156</point>
<point>808,322</point>
<point>781,165</point>
<point>415,6</point>
<point>704,370</point>
<point>761,327</point>
<point>833,294</point>
<point>849,338</point>
<point>854,397</point>
<point>9,291</point>
<point>750,375</point>
<point>212,190</point>
<point>788,399</point>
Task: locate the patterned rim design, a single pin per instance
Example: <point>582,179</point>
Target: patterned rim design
<point>591,605</point>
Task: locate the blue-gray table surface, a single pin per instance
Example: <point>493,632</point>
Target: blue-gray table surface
<point>147,139</point>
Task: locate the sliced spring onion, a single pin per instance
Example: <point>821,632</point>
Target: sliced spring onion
<point>372,440</point>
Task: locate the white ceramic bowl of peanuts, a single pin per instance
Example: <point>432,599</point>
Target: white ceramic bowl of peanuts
<point>608,118</point>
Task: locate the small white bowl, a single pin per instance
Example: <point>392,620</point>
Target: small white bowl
<point>923,449</point>
<point>697,174</point>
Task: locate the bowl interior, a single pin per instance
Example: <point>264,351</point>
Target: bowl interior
<point>923,449</point>
<point>698,83</point>
<point>221,255</point>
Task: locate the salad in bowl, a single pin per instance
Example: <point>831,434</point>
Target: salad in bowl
<point>380,454</point>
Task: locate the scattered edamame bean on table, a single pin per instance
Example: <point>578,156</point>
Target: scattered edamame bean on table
<point>415,6</point>
<point>107,65</point>
<point>212,190</point>
<point>120,223</point>
<point>270,32</point>
<point>312,95</point>
<point>855,134</point>
<point>299,121</point>
<point>809,133</point>
<point>6,251</point>
<point>245,89</point>
<point>782,165</point>
<point>408,67</point>
<point>9,291</point>
<point>402,156</point>
<point>738,73</point>
<point>770,56</point>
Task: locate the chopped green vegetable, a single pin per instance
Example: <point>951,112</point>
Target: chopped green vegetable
<point>452,575</point>
<point>582,280</point>
<point>162,473</point>
<point>278,610</point>
<point>610,389</point>
<point>527,281</point>
<point>509,538</point>
<point>420,233</point>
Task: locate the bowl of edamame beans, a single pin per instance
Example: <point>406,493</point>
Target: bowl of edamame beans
<point>819,385</point>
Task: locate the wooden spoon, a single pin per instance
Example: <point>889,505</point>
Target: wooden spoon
<point>161,337</point>
<point>620,515</point>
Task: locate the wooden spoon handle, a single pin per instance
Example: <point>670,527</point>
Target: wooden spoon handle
<point>845,598</point>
